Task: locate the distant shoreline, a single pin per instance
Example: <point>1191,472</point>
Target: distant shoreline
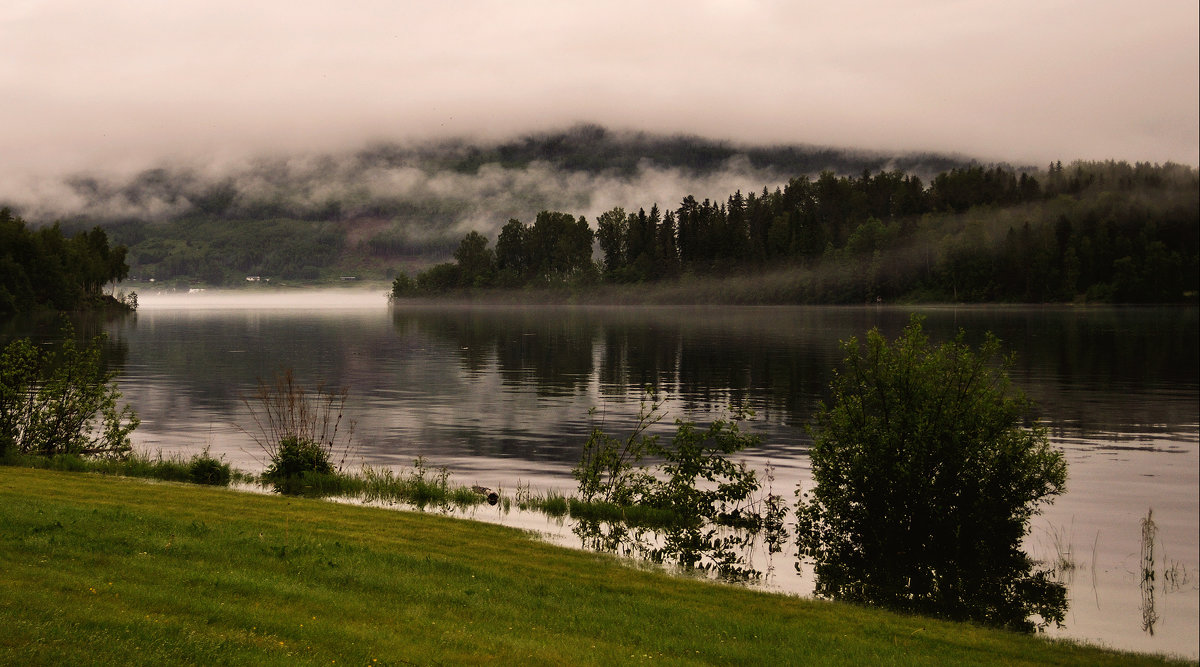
<point>733,291</point>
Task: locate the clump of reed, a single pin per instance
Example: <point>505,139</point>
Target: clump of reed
<point>420,486</point>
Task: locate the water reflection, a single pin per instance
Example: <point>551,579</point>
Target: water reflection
<point>723,552</point>
<point>1147,578</point>
<point>1003,591</point>
<point>1076,364</point>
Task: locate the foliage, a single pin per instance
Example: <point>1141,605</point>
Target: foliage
<point>692,490</point>
<point>439,278</point>
<point>61,402</point>
<point>694,480</point>
<point>201,468</point>
<point>129,300</point>
<point>295,456</point>
<point>609,470</point>
<point>556,250</point>
<point>475,260</point>
<point>420,486</point>
<point>403,286</point>
<point>701,482</point>
<point>423,488</point>
<point>204,468</point>
<point>926,483</point>
<point>45,269</point>
<point>215,251</point>
<point>301,432</point>
<point>1094,231</point>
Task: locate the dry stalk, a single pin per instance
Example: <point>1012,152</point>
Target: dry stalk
<point>284,409</point>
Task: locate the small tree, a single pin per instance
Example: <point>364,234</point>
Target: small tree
<point>695,483</point>
<point>926,482</point>
<point>475,260</point>
<point>61,403</point>
<point>609,469</point>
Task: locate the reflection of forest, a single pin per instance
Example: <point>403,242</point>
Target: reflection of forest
<point>1080,365</point>
<point>676,351</point>
<point>1091,370</point>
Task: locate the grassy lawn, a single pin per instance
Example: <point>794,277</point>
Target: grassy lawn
<point>97,569</point>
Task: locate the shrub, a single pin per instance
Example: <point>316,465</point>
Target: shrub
<point>701,483</point>
<point>63,402</point>
<point>695,479</point>
<point>926,483</point>
<point>204,468</point>
<point>609,470</point>
<point>694,488</point>
<point>301,432</point>
<point>295,456</point>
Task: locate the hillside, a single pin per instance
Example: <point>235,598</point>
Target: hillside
<point>390,208</point>
<point>1097,232</point>
<point>814,224</point>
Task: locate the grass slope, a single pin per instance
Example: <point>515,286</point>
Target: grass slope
<point>99,569</point>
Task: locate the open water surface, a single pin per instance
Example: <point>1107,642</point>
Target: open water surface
<point>501,397</point>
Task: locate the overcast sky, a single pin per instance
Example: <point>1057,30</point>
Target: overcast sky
<point>124,83</point>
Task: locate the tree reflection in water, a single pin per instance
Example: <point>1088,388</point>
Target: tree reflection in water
<point>722,551</point>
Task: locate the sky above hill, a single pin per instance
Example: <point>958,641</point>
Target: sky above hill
<point>124,83</point>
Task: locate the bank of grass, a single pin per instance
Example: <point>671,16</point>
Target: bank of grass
<point>99,569</point>
<point>419,486</point>
<point>201,468</point>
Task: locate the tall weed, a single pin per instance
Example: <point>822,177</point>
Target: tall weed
<point>300,431</point>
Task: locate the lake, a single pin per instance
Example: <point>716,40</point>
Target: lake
<point>503,396</point>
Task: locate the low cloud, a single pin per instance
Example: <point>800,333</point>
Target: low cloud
<point>120,86</point>
<point>419,199</point>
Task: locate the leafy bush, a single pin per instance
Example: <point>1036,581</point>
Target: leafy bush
<point>609,470</point>
<point>295,456</point>
<point>695,480</point>
<point>204,468</point>
<point>439,278</point>
<point>61,402</point>
<point>689,495</point>
<point>701,483</point>
<point>926,483</point>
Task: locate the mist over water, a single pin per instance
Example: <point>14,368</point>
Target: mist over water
<point>350,299</point>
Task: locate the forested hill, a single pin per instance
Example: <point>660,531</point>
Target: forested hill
<point>1106,232</point>
<point>388,208</point>
<point>589,206</point>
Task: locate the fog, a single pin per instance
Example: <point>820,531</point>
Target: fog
<point>266,300</point>
<point>128,85</point>
<point>428,194</point>
<point>305,185</point>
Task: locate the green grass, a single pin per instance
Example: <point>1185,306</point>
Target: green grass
<point>100,569</point>
<point>201,468</point>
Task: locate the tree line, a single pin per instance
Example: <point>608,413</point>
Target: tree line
<point>1103,231</point>
<point>45,269</point>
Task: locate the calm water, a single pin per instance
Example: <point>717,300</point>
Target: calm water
<point>501,396</point>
